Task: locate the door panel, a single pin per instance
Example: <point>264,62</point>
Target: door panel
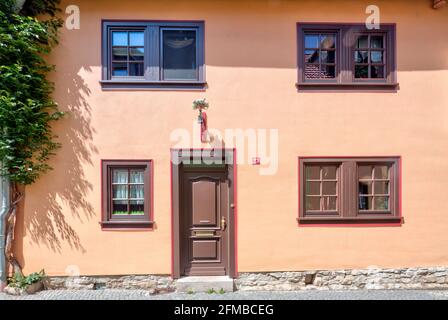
<point>204,216</point>
<point>204,197</point>
<point>206,250</point>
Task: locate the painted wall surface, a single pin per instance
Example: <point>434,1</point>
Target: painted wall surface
<point>251,71</point>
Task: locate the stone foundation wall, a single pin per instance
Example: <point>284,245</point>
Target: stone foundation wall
<point>152,283</point>
<point>372,278</point>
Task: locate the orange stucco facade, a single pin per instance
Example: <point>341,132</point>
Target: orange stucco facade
<point>251,72</point>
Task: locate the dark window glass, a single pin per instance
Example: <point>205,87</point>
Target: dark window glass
<point>369,62</point>
<point>373,187</point>
<point>179,55</point>
<point>361,71</point>
<point>377,71</point>
<point>119,69</point>
<point>327,57</point>
<point>361,56</point>
<point>376,42</point>
<point>312,56</point>
<point>136,69</point>
<point>320,56</point>
<point>362,42</point>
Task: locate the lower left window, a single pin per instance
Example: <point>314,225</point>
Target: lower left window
<point>127,194</point>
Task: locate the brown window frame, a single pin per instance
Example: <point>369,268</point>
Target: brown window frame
<point>348,195</point>
<point>108,221</point>
<point>153,56</point>
<point>345,62</point>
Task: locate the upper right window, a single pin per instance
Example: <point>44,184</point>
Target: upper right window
<point>346,56</point>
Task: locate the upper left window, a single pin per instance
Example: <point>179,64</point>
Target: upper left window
<point>153,55</point>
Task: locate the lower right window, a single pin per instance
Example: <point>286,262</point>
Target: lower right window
<point>349,190</point>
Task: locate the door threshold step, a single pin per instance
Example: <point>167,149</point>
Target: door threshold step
<point>208,284</point>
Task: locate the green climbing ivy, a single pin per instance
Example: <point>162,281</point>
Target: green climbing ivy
<point>27,108</point>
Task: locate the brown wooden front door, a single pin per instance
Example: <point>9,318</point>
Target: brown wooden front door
<point>204,219</point>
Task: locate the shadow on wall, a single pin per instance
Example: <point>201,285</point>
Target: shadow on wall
<point>44,219</point>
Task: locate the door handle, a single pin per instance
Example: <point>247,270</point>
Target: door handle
<point>223,223</point>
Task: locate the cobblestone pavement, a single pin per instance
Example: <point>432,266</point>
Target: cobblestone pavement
<point>110,294</point>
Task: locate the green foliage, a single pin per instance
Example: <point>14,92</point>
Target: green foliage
<point>23,282</point>
<point>222,291</point>
<point>211,291</point>
<point>190,291</point>
<point>26,106</point>
<point>128,212</point>
<point>200,104</point>
<point>36,7</point>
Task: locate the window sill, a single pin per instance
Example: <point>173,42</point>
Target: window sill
<point>390,220</point>
<point>354,86</point>
<point>131,225</point>
<point>152,85</point>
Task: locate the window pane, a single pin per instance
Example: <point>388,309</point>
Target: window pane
<point>119,38</point>
<point>327,41</point>
<point>329,188</point>
<point>327,71</point>
<point>136,176</point>
<point>329,172</point>
<point>312,172</point>
<point>327,56</point>
<point>361,72</point>
<point>381,187</point>
<point>329,203</point>
<point>365,203</point>
<point>120,176</point>
<point>312,56</point>
<point>120,54</point>
<point>377,72</point>
<point>137,207</point>
<point>312,188</point>
<point>362,42</point>
<point>136,69</point>
<point>136,54</point>
<point>120,191</point>
<point>137,192</point>
<point>311,41</point>
<point>136,38</point>
<point>376,57</point>
<point>381,203</point>
<point>179,55</point>
<point>119,69</point>
<point>312,203</point>
<point>361,56</point>
<point>319,72</point>
<point>376,42</point>
<point>365,172</point>
<point>119,207</point>
<point>381,172</point>
<point>365,187</point>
